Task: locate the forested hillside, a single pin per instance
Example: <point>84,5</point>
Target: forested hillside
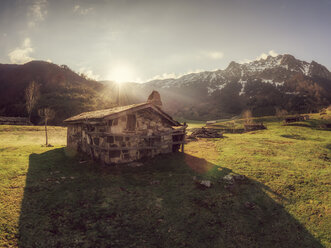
<point>60,89</point>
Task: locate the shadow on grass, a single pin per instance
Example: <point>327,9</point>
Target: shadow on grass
<point>299,124</point>
<point>293,136</point>
<point>72,204</point>
<point>315,124</point>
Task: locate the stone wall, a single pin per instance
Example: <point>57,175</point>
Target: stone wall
<point>127,138</point>
<point>23,121</point>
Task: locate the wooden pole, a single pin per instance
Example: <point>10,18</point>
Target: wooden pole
<point>46,131</point>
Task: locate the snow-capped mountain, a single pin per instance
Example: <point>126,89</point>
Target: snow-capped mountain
<point>261,85</point>
<point>272,70</point>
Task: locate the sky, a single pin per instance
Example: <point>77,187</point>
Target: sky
<point>141,40</point>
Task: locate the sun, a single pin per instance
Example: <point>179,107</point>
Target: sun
<point>122,73</point>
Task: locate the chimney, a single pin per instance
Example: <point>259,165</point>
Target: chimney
<point>155,98</point>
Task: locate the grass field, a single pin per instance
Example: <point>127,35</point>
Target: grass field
<point>50,197</point>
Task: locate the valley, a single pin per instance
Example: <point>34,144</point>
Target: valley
<point>53,197</point>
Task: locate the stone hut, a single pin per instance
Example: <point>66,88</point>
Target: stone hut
<point>125,134</point>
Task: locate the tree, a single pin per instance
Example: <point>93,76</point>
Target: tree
<point>46,114</point>
<point>31,97</point>
<point>281,113</point>
<point>247,116</point>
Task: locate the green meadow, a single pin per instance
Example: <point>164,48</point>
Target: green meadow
<point>52,197</point>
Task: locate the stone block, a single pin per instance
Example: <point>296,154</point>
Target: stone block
<point>110,139</point>
<point>125,154</point>
<point>133,153</point>
<point>114,154</point>
<point>96,141</point>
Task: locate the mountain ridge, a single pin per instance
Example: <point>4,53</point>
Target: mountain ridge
<point>281,75</point>
<point>286,61</point>
<point>280,82</point>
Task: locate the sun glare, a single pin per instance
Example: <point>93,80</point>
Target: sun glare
<point>122,73</point>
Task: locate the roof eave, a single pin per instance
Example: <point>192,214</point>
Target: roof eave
<point>120,113</point>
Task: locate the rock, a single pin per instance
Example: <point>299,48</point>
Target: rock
<point>155,182</point>
<point>206,183</point>
<point>135,164</point>
<point>249,205</point>
<point>229,187</point>
<point>232,178</point>
<point>238,177</point>
<point>229,179</point>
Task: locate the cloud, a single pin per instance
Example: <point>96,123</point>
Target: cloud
<point>172,75</point>
<point>37,12</point>
<point>89,73</point>
<point>261,56</point>
<point>273,53</point>
<point>21,55</point>
<point>82,11</point>
<point>163,76</point>
<point>265,55</point>
<point>214,55</point>
<point>76,8</point>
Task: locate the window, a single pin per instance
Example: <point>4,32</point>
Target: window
<point>131,123</point>
<point>114,122</point>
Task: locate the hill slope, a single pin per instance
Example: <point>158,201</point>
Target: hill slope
<point>61,89</point>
